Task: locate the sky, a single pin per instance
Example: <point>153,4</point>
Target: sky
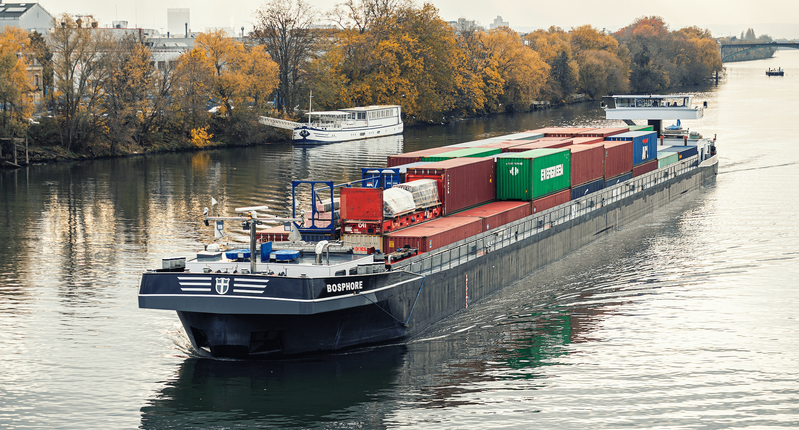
<point>778,18</point>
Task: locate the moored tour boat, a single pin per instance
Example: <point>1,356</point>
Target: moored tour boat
<point>343,125</point>
<point>455,225</point>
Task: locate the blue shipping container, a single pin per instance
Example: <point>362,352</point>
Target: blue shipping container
<point>621,178</point>
<point>644,145</point>
<point>386,177</point>
<point>683,151</point>
<point>587,188</point>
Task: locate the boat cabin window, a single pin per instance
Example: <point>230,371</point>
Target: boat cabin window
<point>361,115</point>
<point>341,273</point>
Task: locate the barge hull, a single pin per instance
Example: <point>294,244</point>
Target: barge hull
<point>400,303</point>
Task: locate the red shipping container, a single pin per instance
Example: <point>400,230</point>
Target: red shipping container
<point>587,140</point>
<point>604,132</point>
<point>588,163</point>
<point>274,234</point>
<point>618,158</point>
<point>415,156</point>
<point>645,168</point>
<point>496,214</point>
<point>462,182</point>
<point>365,204</point>
<point>567,131</point>
<point>505,145</point>
<point>434,234</point>
<point>541,143</point>
<point>550,201</point>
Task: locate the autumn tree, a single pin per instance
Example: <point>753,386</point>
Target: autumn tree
<point>407,56</point>
<point>15,87</point>
<point>602,62</point>
<point>647,39</point>
<point>79,69</point>
<point>554,47</point>
<point>285,29</point>
<point>192,85</point>
<point>520,69</point>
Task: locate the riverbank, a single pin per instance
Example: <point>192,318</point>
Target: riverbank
<point>53,153</point>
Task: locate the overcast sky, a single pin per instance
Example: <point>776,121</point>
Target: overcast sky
<point>778,19</point>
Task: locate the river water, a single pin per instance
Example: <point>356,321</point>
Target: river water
<point>685,319</point>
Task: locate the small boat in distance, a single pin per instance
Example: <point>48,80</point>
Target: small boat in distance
<point>344,124</point>
<point>775,72</point>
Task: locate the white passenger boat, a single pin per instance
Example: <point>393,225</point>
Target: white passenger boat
<point>342,125</point>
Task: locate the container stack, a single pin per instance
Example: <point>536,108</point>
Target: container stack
<point>431,198</point>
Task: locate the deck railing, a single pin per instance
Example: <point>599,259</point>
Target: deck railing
<point>477,246</point>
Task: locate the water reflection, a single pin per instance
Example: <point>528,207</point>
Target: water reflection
<point>286,393</point>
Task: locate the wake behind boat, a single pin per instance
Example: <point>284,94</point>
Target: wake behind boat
<point>343,125</point>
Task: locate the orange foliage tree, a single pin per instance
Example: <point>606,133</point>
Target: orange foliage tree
<point>403,55</point>
<point>14,82</point>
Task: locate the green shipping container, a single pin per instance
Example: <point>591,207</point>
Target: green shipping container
<point>531,174</point>
<point>465,152</point>
<point>667,158</point>
<point>642,128</point>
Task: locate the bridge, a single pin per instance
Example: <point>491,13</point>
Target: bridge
<point>729,51</point>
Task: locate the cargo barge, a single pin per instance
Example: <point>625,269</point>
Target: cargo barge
<point>453,229</point>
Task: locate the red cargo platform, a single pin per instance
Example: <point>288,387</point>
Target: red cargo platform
<point>645,168</point>
<point>556,142</point>
<point>496,214</point>
<point>550,201</point>
<point>434,234</point>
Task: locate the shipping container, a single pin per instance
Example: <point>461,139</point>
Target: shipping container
<point>567,131</point>
<point>615,180</point>
<point>433,234</point>
<point>273,234</point>
<point>548,202</point>
<point>504,145</point>
<point>587,188</point>
<point>644,144</point>
<point>475,143</point>
<point>542,143</point>
<point>666,158</point>
<point>618,158</point>
<point>586,140</point>
<point>603,132</point>
<point>588,163</point>
<point>642,128</point>
<point>362,204</point>
<point>462,182</point>
<point>495,214</point>
<point>413,157</point>
<point>462,153</point>
<point>532,174</point>
<point>645,168</point>
<point>525,135</point>
<point>362,241</point>
<point>682,151</point>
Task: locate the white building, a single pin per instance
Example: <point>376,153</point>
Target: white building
<point>499,23</point>
<point>28,16</point>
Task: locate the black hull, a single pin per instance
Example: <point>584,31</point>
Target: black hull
<point>252,336</point>
<point>418,292</point>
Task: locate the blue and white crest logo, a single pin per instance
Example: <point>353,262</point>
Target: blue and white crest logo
<point>222,285</point>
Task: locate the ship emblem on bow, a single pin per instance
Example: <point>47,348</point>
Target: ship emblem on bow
<point>222,285</point>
